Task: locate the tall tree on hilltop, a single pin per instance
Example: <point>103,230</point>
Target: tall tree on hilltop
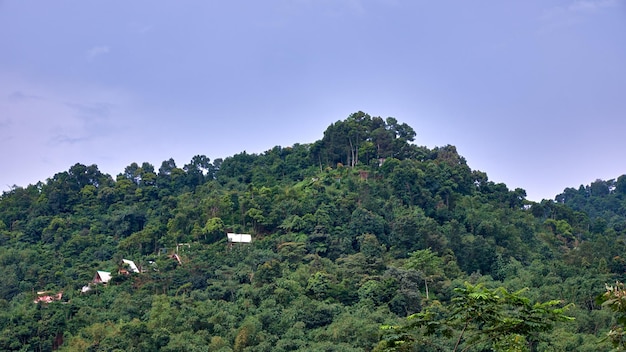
<point>362,136</point>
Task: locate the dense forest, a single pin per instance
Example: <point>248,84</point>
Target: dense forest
<point>361,241</point>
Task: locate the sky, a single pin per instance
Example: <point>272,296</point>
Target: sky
<point>531,92</point>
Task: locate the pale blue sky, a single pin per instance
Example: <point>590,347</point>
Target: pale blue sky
<point>532,92</point>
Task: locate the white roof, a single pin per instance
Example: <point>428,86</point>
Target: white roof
<point>239,237</point>
<point>105,276</point>
<point>131,264</point>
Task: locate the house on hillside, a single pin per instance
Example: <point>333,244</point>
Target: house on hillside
<point>46,297</point>
<point>128,265</point>
<point>177,258</point>
<point>238,238</point>
<point>101,277</point>
<point>234,238</point>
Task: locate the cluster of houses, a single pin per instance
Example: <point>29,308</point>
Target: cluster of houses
<point>128,267</point>
<point>103,277</point>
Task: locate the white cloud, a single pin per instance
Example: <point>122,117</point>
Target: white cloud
<point>97,51</point>
<point>592,5</point>
<point>574,13</point>
<point>140,28</point>
<point>578,8</point>
<point>333,8</point>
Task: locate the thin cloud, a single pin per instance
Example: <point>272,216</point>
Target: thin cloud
<point>355,6</point>
<point>591,5</point>
<point>334,8</point>
<point>71,123</point>
<point>100,110</point>
<point>5,130</point>
<point>574,13</point>
<point>578,8</point>
<point>97,51</point>
<point>140,28</point>
<point>65,139</point>
<point>20,96</point>
<point>5,123</point>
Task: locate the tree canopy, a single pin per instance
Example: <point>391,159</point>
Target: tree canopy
<point>359,230</point>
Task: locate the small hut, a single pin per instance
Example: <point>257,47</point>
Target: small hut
<point>101,277</point>
<point>239,238</point>
<point>128,265</point>
<point>47,297</point>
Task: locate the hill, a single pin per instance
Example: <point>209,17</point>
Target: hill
<point>353,232</point>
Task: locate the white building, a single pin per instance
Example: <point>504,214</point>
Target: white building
<point>239,238</point>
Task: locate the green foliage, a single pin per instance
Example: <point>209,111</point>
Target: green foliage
<point>360,229</point>
<point>478,318</point>
<point>213,230</point>
<point>615,299</point>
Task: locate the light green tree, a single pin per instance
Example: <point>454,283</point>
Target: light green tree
<point>476,319</point>
<point>615,299</point>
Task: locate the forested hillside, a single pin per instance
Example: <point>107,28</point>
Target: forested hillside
<point>361,241</point>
